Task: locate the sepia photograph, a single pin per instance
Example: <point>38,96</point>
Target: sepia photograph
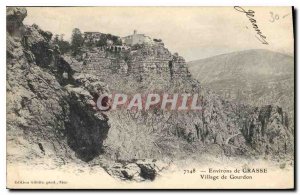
<point>158,97</point>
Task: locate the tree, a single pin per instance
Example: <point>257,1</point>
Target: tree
<point>76,41</point>
<point>63,45</point>
<point>104,40</point>
<point>56,39</point>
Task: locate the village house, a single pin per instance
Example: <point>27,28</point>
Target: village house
<point>136,38</point>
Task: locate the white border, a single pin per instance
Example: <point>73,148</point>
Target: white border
<point>150,3</point>
<point>5,3</point>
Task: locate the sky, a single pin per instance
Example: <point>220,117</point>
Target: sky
<point>193,32</point>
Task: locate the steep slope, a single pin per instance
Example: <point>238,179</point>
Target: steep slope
<point>230,128</point>
<point>52,113</point>
<point>255,77</point>
<point>42,114</point>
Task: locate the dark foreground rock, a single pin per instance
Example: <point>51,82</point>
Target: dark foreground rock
<point>50,112</point>
<point>136,170</point>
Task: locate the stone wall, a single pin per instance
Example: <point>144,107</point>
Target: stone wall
<point>139,61</point>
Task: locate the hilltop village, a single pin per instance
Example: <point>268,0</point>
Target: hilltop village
<point>136,53</point>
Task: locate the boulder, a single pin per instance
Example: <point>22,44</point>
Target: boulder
<point>14,19</point>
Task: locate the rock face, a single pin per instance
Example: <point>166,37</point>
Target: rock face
<point>14,18</point>
<point>50,119</point>
<point>36,42</point>
<point>266,130</point>
<point>51,109</point>
<point>235,128</point>
<point>35,101</point>
<point>140,61</point>
<point>136,170</point>
<point>86,128</point>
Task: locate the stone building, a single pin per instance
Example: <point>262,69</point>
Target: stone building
<point>136,38</point>
<point>148,59</point>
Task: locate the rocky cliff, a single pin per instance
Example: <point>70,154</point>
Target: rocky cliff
<point>45,116</point>
<point>51,109</point>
